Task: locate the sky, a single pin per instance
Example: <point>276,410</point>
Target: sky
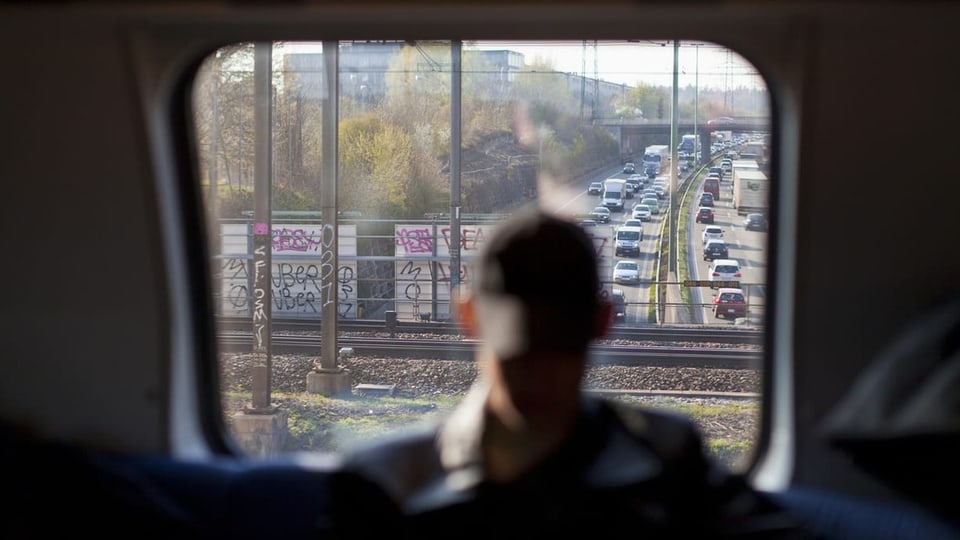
<point>648,62</point>
<point>705,64</point>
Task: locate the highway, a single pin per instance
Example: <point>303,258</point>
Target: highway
<point>748,247</point>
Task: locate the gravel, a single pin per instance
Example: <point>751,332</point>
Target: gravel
<point>721,401</point>
<point>418,377</point>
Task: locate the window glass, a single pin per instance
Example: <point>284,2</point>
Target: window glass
<point>344,210</point>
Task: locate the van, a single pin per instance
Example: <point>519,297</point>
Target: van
<point>614,194</point>
<point>711,185</point>
<point>628,241</point>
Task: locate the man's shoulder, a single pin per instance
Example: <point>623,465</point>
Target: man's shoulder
<point>668,434</point>
<point>393,447</point>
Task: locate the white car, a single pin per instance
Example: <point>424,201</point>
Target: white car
<point>711,232</point>
<point>633,223</point>
<point>626,272</point>
<point>642,212</point>
<point>726,270</point>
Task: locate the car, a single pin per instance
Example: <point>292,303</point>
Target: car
<point>633,223</point>
<point>715,249</point>
<point>642,212</point>
<point>626,272</point>
<point>638,178</point>
<point>729,302</point>
<point>755,222</point>
<point>712,232</point>
<point>704,215</point>
<point>653,203</point>
<point>627,241</point>
<point>726,270</point>
<point>619,304</point>
<point>721,121</point>
<point>634,186</point>
<point>629,167</point>
<point>649,192</point>
<point>595,188</point>
<point>600,214</point>
<point>706,199</point>
<point>715,170</point>
<point>660,189</point>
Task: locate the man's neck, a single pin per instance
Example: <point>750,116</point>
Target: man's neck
<point>513,441</point>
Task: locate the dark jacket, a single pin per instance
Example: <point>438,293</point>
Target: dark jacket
<point>624,470</point>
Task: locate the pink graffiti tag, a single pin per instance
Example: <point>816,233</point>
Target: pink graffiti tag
<point>260,228</point>
<point>415,240</point>
<point>293,240</point>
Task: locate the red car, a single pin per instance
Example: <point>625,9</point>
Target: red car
<point>705,215</point>
<point>729,302</point>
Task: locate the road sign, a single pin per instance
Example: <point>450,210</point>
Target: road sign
<point>708,283</point>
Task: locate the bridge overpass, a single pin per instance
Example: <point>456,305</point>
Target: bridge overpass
<point>638,133</point>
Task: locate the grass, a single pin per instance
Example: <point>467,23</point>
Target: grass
<point>317,423</point>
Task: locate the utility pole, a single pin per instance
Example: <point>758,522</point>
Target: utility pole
<point>696,107</point>
<point>455,98</point>
<point>262,238</point>
<point>328,211</point>
<point>674,222</point>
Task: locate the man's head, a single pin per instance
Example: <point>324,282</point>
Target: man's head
<point>536,288</point>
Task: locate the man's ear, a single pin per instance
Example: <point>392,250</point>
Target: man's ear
<point>603,319</point>
<point>466,313</point>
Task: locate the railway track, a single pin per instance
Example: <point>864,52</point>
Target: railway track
<point>617,355</point>
<point>662,334</point>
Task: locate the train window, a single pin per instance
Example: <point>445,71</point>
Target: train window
<point>348,185</point>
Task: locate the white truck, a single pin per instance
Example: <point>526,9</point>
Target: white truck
<point>754,150</point>
<point>614,194</point>
<point>656,159</point>
<point>743,165</point>
<point>751,190</point>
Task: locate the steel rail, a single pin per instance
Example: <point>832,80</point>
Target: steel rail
<point>660,334</point>
<point>461,350</point>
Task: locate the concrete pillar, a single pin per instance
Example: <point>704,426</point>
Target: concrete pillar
<point>329,382</point>
<point>261,434</point>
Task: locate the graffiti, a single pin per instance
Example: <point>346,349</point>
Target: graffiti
<point>345,279</point>
<point>444,271</point>
<point>288,275</point>
<point>233,269</point>
<point>419,241</point>
<point>259,315</point>
<point>412,292</point>
<point>285,300</point>
<point>303,259</point>
<point>295,240</point>
<point>411,269</point>
<point>327,269</point>
<point>470,239</point>
<point>237,297</point>
<point>294,287</point>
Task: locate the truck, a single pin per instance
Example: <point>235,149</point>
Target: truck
<point>614,194</point>
<point>688,144</point>
<point>743,165</point>
<point>656,158</point>
<point>751,190</point>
